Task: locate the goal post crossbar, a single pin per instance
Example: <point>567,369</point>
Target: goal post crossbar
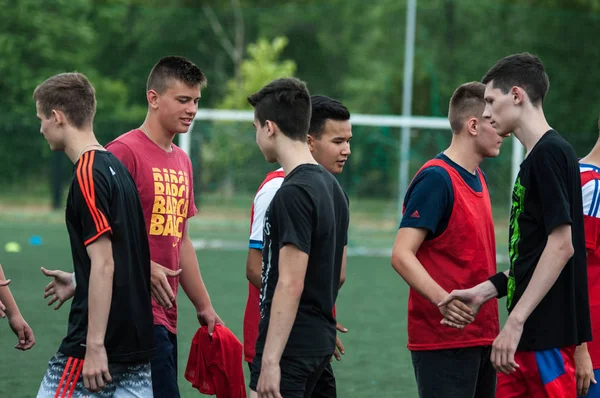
<point>424,122</point>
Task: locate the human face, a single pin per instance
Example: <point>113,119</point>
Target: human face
<point>332,149</point>
<point>177,106</point>
<point>487,140</point>
<point>264,139</point>
<point>500,110</point>
<point>49,128</point>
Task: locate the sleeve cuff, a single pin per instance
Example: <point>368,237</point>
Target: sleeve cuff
<point>99,234</point>
<point>500,282</point>
<point>255,244</point>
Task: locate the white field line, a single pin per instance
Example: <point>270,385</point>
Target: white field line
<point>354,251</point>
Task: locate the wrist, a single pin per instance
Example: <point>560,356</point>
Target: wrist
<point>13,314</point>
<point>94,343</point>
<point>581,351</point>
<point>203,306</point>
<point>516,319</point>
<point>269,361</point>
<point>439,296</point>
<point>486,290</point>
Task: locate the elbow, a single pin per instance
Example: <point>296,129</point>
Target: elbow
<point>293,288</point>
<point>563,248</point>
<point>397,262</point>
<point>105,267</point>
<point>567,250</point>
<point>249,274</point>
<point>342,279</point>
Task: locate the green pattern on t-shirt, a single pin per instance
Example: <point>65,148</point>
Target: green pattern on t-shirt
<point>518,198</point>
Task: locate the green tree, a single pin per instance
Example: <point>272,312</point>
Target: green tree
<point>261,67</point>
<point>225,152</point>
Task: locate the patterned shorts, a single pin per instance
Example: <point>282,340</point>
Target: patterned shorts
<point>63,380</point>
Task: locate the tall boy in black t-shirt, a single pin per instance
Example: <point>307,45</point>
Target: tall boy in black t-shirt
<point>305,231</point>
<point>109,340</point>
<point>546,286</point>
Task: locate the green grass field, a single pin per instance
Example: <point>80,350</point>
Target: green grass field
<point>372,303</point>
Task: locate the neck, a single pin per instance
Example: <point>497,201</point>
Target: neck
<point>157,134</point>
<point>593,157</point>
<point>532,127</point>
<point>79,142</point>
<point>291,154</point>
<point>463,153</point>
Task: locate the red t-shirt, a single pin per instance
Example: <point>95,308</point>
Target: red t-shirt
<point>463,256</point>
<point>165,185</point>
<point>590,189</point>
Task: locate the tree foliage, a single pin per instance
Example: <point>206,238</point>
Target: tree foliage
<point>341,48</point>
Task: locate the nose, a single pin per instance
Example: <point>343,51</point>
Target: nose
<point>486,113</point>
<point>192,108</point>
<point>346,150</point>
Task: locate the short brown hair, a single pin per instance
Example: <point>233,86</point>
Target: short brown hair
<point>71,93</point>
<point>467,101</point>
<point>174,68</point>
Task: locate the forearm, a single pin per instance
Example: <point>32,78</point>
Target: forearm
<point>191,279</point>
<point>254,267</point>
<point>99,301</point>
<point>286,299</point>
<point>486,290</point>
<point>254,279</point>
<point>412,271</point>
<point>550,265</point>
<point>7,298</point>
<point>343,270</point>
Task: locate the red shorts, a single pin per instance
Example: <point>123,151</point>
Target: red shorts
<point>541,374</point>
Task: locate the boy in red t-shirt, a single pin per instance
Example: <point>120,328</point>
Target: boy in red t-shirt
<point>163,175</point>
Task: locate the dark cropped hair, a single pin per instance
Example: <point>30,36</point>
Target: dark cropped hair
<point>286,102</point>
<point>523,70</point>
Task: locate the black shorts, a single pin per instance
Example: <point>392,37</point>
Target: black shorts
<point>299,375</point>
<point>455,373</point>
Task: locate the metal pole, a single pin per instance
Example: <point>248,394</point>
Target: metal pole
<point>409,50</point>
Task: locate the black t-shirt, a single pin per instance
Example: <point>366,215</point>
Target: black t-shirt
<point>309,211</point>
<point>547,194</point>
<point>103,199</point>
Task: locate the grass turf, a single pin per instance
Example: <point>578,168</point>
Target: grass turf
<point>372,305</point>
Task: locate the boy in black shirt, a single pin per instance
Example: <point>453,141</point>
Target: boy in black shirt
<point>546,286</point>
<point>305,231</point>
<point>110,337</point>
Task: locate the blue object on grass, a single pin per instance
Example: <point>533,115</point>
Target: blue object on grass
<point>35,240</point>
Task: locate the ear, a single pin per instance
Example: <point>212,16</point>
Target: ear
<point>272,128</point>
<point>152,97</point>
<point>472,126</point>
<point>518,95</point>
<point>58,116</point>
<point>311,142</point>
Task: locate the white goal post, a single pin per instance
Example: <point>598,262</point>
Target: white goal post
<point>421,122</point>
